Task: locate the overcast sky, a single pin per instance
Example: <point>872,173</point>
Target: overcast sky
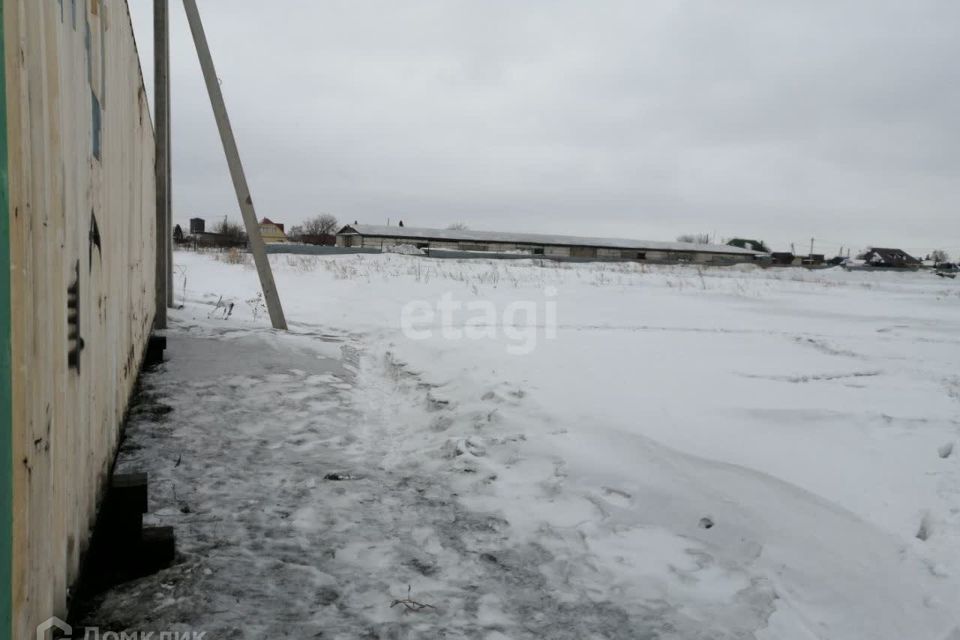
<point>832,119</point>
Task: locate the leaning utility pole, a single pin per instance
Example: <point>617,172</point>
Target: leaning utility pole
<point>236,168</point>
<point>161,108</point>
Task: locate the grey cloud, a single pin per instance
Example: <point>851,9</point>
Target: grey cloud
<point>754,117</point>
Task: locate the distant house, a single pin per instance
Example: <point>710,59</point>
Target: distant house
<point>784,259</point>
<point>788,259</point>
<point>889,258</point>
<point>272,232</point>
<point>813,260</point>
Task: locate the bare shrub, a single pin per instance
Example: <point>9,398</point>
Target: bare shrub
<point>257,307</point>
<point>231,230</point>
<point>233,256</point>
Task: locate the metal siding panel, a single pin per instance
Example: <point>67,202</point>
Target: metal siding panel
<point>66,423</point>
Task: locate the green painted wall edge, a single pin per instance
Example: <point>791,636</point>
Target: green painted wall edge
<point>6,408</point>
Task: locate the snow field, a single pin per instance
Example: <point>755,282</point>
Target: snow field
<point>692,453</point>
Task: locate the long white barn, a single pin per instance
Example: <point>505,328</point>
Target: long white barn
<point>536,244</point>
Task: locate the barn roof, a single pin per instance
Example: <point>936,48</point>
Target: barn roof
<point>469,235</point>
<point>889,254</point>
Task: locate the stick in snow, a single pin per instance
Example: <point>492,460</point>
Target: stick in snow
<point>411,605</point>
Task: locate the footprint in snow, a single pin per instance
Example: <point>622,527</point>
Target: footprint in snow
<point>473,446</point>
<point>617,497</point>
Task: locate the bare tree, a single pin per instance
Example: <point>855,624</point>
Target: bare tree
<point>939,255</point>
<point>695,238</point>
<point>295,232</point>
<point>231,230</point>
<point>329,224</point>
<point>458,226</point>
<point>322,225</point>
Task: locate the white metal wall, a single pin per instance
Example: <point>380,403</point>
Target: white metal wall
<point>82,203</point>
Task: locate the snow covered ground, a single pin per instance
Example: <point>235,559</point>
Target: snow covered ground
<point>579,451</point>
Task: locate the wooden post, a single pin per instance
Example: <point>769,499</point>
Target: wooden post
<point>236,168</point>
<point>161,107</point>
<point>169,197</point>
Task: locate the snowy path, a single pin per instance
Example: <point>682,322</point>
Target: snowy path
<point>765,479</point>
<point>297,517</point>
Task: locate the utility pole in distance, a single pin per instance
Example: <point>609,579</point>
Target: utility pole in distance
<point>236,168</point>
<point>161,108</point>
